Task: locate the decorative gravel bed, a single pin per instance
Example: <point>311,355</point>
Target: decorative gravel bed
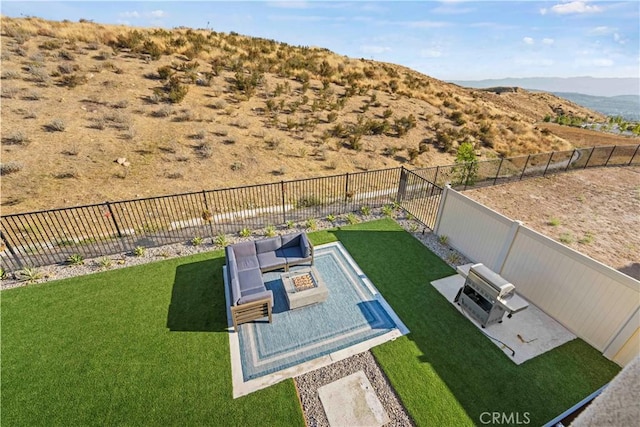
<point>306,384</point>
<point>309,383</point>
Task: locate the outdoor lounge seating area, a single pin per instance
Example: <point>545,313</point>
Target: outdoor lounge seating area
<point>246,261</point>
<point>164,354</point>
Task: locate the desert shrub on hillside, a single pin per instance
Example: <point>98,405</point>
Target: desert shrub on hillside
<point>10,167</point>
<point>72,80</point>
<point>56,125</point>
<point>176,91</point>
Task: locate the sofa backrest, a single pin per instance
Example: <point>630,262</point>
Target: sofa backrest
<point>270,244</point>
<point>244,249</point>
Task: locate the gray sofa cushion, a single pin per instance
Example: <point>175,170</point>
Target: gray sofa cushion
<point>247,263</point>
<point>249,280</point>
<point>268,245</point>
<point>244,249</point>
<point>256,297</point>
<point>271,260</point>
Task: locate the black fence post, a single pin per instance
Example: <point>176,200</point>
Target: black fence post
<point>498,171</point>
<point>283,201</point>
<point>634,155</point>
<point>113,218</point>
<point>610,154</point>
<point>206,206</point>
<point>548,163</point>
<point>525,167</point>
<point>589,158</point>
<point>402,185</point>
<point>435,179</point>
<point>570,160</point>
<point>346,192</point>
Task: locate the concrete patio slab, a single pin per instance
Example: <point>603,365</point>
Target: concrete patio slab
<point>351,401</point>
<point>529,333</point>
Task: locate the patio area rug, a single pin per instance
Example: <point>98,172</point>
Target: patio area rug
<point>354,314</point>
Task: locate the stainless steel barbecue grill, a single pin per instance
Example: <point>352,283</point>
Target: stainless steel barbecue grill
<point>486,296</point>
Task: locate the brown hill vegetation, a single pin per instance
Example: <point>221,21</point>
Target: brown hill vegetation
<point>96,112</point>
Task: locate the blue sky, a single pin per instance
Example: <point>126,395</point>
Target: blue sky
<point>448,40</point>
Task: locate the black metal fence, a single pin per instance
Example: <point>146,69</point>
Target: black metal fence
<point>501,170</point>
<point>49,237</point>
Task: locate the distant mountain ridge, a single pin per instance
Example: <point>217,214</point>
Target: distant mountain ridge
<point>594,86</point>
<point>626,106</point>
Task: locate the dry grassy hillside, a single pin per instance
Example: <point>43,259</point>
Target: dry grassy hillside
<point>94,112</point>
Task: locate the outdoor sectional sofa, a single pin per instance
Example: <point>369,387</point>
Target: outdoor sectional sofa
<point>246,261</point>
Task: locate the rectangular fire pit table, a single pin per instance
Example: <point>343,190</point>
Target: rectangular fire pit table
<point>304,287</point>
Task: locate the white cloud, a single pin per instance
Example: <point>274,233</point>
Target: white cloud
<point>602,62</point>
<point>528,40</point>
<point>574,7</point>
<point>602,30</point>
<point>548,41</point>
<point>375,49</point>
<point>426,24</point>
<point>158,13</point>
<point>619,39</point>
<point>431,53</point>
<point>133,14</point>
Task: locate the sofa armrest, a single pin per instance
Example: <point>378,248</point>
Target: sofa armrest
<point>306,248</point>
<point>256,297</point>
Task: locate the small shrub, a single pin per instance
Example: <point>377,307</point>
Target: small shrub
<point>75,259</point>
<point>586,239</point>
<point>331,218</point>
<point>387,210</point>
<point>566,238</point>
<point>236,166</point>
<point>290,224</point>
<point>51,45</point>
<point>73,80</point>
<point>165,111</point>
<point>270,231</point>
<point>311,224</point>
<point>10,167</point>
<point>105,263</point>
<point>123,103</point>
<point>56,125</point>
<point>554,222</point>
<point>197,241</point>
<point>139,251</point>
<point>29,274</point>
<point>10,75</point>
<point>3,273</point>
<point>365,210</point>
<point>453,258</point>
<point>205,150</point>
<point>245,232</point>
<point>413,227</point>
<point>221,240</point>
<point>16,138</point>
<point>352,218</point>
<point>443,239</point>
<point>9,92</point>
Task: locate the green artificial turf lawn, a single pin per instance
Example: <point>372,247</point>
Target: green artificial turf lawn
<point>446,372</point>
<point>147,345</point>
<point>137,346</point>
